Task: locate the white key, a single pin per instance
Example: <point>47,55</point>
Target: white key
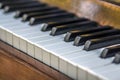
<point>54,52</point>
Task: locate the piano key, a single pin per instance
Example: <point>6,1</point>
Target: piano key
<point>28,16</point>
<point>94,60</point>
<point>34,9</point>
<point>50,42</point>
<point>107,70</point>
<point>42,38</point>
<point>2,1</point>
<point>83,55</point>
<point>17,0</point>
<point>15,29</point>
<point>15,43</point>
<point>7,19</point>
<point>81,58</point>
<point>65,28</point>
<point>22,29</point>
<point>49,18</point>
<point>19,7</point>
<point>101,42</point>
<point>62,50</point>
<point>80,40</point>
<point>20,2</point>
<point>99,62</point>
<point>117,58</point>
<point>48,26</point>
<point>70,36</point>
<point>70,65</point>
<point>110,51</point>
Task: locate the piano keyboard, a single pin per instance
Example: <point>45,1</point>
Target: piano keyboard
<point>78,47</point>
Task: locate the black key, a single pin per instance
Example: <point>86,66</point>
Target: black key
<point>117,58</point>
<point>110,51</point>
<point>101,42</point>
<point>80,40</point>
<point>15,2</point>
<point>65,28</point>
<point>12,0</point>
<point>19,7</point>
<point>36,9</point>
<point>5,1</point>
<point>9,0</point>
<point>113,2</point>
<point>19,2</point>
<point>48,26</point>
<point>2,0</point>
<point>48,18</point>
<point>70,36</point>
<point>26,17</point>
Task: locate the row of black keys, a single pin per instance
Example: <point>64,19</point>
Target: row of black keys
<point>113,2</point>
<point>80,30</point>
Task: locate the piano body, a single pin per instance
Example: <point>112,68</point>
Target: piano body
<point>60,39</point>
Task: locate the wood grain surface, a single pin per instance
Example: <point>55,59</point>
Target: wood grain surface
<point>97,10</point>
<point>11,69</point>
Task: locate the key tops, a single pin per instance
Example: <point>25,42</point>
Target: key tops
<point>49,26</point>
<point>19,7</point>
<point>27,17</point>
<point>20,13</point>
<point>20,2</point>
<point>101,42</point>
<point>48,18</point>
<point>80,25</point>
<point>80,40</point>
<point>117,58</point>
<point>70,36</point>
<point>110,51</point>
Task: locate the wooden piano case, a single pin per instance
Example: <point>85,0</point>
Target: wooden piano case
<point>102,11</point>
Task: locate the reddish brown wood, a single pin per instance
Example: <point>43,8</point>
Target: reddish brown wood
<point>12,69</point>
<point>16,65</point>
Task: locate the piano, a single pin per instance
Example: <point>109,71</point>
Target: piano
<point>81,41</point>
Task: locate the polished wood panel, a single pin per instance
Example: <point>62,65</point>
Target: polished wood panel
<point>103,12</point>
<point>11,69</point>
<point>16,65</point>
<point>97,10</point>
